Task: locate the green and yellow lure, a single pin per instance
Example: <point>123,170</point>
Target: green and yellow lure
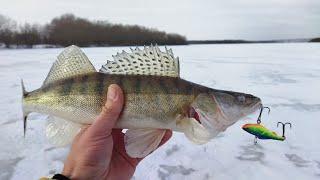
<point>262,132</point>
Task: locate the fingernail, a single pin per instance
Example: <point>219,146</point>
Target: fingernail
<point>112,93</point>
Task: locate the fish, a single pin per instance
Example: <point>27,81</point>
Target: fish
<point>155,99</point>
<point>262,132</point>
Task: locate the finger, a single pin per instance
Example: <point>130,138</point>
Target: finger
<point>110,112</point>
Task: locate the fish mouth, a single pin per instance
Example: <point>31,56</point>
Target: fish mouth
<point>214,117</point>
<point>255,108</point>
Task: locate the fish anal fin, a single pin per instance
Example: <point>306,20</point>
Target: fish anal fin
<point>148,61</point>
<point>61,132</point>
<point>72,61</point>
<point>194,131</point>
<point>141,142</point>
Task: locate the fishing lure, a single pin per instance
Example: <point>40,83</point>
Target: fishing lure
<point>261,132</point>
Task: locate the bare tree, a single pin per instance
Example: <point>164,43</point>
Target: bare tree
<point>7,29</point>
<point>28,35</point>
<point>69,29</point>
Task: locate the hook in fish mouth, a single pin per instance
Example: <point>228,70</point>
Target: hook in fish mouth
<point>260,114</point>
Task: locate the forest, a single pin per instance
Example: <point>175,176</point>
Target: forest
<point>315,40</point>
<point>68,29</point>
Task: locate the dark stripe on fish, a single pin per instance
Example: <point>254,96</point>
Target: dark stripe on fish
<point>84,84</point>
<point>138,84</point>
<point>189,88</point>
<point>121,82</point>
<point>162,83</point>
<point>67,87</point>
<point>99,88</point>
<point>46,88</point>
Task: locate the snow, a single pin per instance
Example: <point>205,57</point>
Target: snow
<point>285,76</point>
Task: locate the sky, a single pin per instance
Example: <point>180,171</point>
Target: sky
<point>195,19</point>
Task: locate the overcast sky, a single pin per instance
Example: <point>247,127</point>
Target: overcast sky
<point>196,19</point>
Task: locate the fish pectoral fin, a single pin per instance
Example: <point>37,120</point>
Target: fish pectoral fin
<point>194,131</point>
<point>141,142</point>
<point>61,132</point>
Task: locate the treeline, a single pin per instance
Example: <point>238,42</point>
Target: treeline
<point>69,29</point>
<point>315,40</point>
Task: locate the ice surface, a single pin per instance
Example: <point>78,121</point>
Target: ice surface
<point>285,76</point>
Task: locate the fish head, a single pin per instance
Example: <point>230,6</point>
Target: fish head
<point>234,105</point>
<point>217,110</point>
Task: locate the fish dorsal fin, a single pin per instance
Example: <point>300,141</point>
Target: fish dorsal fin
<point>149,61</point>
<point>72,61</point>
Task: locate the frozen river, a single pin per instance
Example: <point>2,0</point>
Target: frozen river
<point>285,76</point>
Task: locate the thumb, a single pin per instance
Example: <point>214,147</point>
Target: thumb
<point>109,115</point>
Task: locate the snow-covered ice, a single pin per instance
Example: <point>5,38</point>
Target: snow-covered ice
<point>285,76</point>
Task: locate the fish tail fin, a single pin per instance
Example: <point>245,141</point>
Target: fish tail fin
<point>24,92</point>
<point>25,114</point>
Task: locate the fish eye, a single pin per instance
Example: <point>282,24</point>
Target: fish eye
<point>241,99</point>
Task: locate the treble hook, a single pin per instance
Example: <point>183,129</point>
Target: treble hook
<point>261,110</point>
<point>284,127</point>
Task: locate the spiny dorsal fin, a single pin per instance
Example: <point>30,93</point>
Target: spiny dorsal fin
<point>72,61</point>
<point>149,61</point>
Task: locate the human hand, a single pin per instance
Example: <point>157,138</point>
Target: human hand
<point>98,151</point>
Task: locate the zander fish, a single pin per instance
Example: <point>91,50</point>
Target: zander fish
<point>156,98</point>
